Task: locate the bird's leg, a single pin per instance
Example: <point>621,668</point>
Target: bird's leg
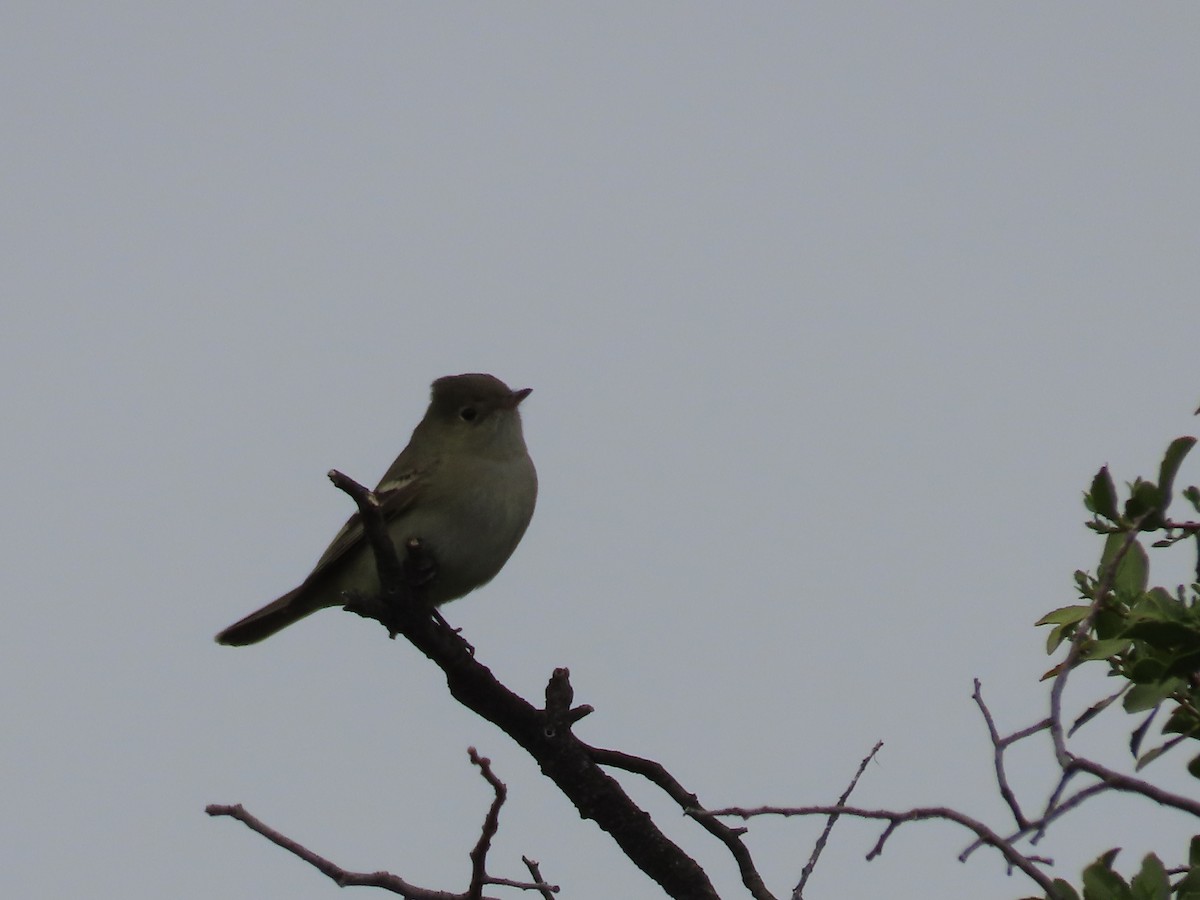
<point>419,566</point>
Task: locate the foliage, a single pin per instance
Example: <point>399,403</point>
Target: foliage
<point>1152,881</point>
<point>1149,638</point>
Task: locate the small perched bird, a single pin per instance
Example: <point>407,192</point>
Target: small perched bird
<point>464,486</point>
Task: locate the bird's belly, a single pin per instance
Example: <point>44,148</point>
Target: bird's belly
<point>468,548</point>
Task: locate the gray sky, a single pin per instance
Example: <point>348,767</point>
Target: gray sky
<point>831,312</point>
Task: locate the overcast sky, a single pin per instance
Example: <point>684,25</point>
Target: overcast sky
<point>831,311</point>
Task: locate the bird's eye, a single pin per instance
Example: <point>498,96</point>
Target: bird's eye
<point>468,413</point>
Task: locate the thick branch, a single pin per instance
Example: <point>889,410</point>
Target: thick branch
<point>689,802</point>
<point>566,760</point>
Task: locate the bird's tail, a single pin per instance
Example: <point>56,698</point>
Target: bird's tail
<point>276,615</point>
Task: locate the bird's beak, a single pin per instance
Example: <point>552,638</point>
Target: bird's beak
<point>515,398</point>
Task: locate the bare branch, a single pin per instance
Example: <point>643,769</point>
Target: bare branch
<point>374,527</point>
<point>1060,808</point>
<point>546,890</point>
<point>1025,732</point>
<point>998,747</point>
<point>341,877</point>
<point>731,837</point>
<point>1186,527</point>
<point>807,871</point>
<point>1128,784</point>
<point>491,824</point>
<point>520,885</point>
<point>895,819</point>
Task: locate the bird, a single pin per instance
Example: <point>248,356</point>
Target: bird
<point>464,486</point>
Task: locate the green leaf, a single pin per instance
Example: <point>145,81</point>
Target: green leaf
<point>1133,571</point>
<point>1188,887</point>
<point>1103,495</point>
<point>1064,615</point>
<point>1147,696</point>
<point>1164,635</point>
<point>1104,649</point>
<point>1170,466</point>
<point>1056,636</point>
<point>1110,623</point>
<point>1146,671</point>
<point>1062,891</point>
<point>1144,500</point>
<point>1182,721</point>
<point>1193,768</point>
<point>1158,602</point>
<point>1151,882</point>
<point>1112,544</point>
<point>1185,663</point>
<point>1100,882</point>
<point>1192,495</point>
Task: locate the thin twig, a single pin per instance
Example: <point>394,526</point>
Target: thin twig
<point>998,747</point>
<point>895,819</point>
<point>798,892</point>
<point>341,877</point>
<point>1028,731</point>
<point>1064,807</point>
<point>1052,804</point>
<point>546,890</point>
<point>1128,784</point>
<point>491,824</point>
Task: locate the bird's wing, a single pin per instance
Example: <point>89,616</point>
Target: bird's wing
<point>396,495</point>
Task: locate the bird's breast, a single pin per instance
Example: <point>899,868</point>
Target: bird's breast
<point>471,526</point>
